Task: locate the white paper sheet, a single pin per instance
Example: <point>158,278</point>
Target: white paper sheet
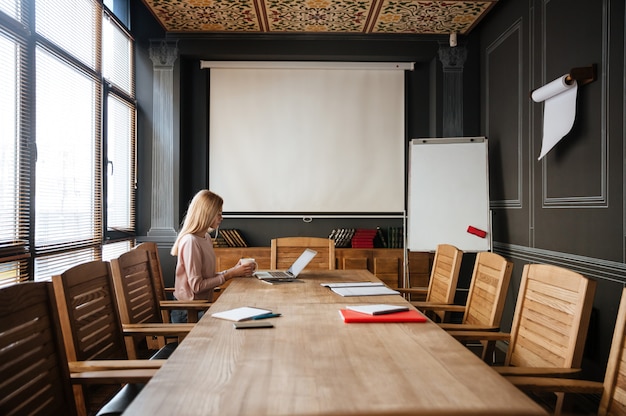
<point>240,314</point>
<point>559,111</point>
<point>364,291</point>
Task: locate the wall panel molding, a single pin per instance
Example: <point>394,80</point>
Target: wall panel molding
<point>515,30</point>
<point>601,199</point>
<point>588,266</point>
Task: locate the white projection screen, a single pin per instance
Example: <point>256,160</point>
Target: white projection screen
<point>307,138</point>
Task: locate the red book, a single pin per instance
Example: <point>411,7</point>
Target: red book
<point>351,317</point>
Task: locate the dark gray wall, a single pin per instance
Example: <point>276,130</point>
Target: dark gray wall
<point>568,208</point>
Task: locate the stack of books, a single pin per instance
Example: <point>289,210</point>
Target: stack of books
<point>342,236</point>
<point>395,237</point>
<point>232,238</point>
<point>363,238</point>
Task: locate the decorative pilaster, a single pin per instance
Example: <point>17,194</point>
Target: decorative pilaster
<point>163,54</point>
<point>452,60</point>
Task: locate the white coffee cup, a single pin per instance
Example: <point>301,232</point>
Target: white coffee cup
<point>249,260</point>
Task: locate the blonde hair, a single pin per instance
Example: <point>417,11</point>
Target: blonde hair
<point>202,212</point>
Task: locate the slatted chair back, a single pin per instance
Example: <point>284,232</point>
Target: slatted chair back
<point>613,400</point>
<point>285,250</point>
<point>488,289</point>
<point>136,298</point>
<point>90,324</point>
<point>444,274</point>
<point>551,318</point>
<point>133,282</point>
<point>444,277</point>
<point>34,372</point>
<point>612,389</point>
<point>157,274</point>
<point>88,311</point>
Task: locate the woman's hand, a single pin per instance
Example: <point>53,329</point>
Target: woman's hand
<point>241,270</point>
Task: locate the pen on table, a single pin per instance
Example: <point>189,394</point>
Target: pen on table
<point>265,316</point>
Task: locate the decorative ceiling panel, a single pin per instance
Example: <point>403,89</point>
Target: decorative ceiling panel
<point>319,16</point>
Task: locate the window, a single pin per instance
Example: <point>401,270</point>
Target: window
<point>14,160</point>
<point>120,129</point>
<point>67,110</point>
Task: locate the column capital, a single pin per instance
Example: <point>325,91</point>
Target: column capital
<point>452,58</point>
<point>163,52</point>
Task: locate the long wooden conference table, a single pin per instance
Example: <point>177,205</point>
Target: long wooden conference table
<point>312,363</point>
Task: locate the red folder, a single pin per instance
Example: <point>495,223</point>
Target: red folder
<point>351,317</point>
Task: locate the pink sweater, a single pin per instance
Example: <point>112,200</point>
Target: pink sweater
<point>195,270</point>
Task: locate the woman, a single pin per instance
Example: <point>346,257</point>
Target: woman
<point>196,277</point>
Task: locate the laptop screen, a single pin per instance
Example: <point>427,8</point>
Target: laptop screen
<point>302,261</point>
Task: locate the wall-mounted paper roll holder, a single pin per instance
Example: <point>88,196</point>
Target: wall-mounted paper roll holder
<point>583,75</point>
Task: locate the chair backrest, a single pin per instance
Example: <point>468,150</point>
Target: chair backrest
<point>551,318</point>
<point>157,272</point>
<point>488,289</point>
<point>444,274</point>
<point>134,288</point>
<point>35,375</point>
<point>88,312</point>
<point>613,399</point>
<point>285,250</point>
<point>90,324</point>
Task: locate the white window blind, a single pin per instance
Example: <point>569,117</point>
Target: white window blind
<point>68,202</point>
<point>14,162</point>
<point>12,8</point>
<point>307,139</point>
<point>117,56</point>
<point>120,165</point>
<point>73,25</point>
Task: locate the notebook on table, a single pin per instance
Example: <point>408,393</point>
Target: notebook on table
<point>292,272</point>
<point>350,316</point>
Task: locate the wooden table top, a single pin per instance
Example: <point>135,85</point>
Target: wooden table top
<point>312,363</point>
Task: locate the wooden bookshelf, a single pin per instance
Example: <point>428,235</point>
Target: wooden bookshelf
<point>385,263</point>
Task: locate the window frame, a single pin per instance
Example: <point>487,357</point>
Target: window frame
<point>20,258</point>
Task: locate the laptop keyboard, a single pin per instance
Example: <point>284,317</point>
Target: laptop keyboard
<point>280,274</point>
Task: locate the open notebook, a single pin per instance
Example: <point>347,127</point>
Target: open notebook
<point>291,273</point>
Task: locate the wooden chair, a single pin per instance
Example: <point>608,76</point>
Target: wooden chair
<point>285,250</point>
<point>35,375</point>
<point>91,328</point>
<point>549,325</point>
<point>136,299</point>
<point>612,389</point>
<point>444,277</point>
<point>485,300</point>
<point>166,304</point>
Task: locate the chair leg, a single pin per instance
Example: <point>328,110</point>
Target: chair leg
<point>79,399</point>
<point>489,352</point>
<point>558,407</point>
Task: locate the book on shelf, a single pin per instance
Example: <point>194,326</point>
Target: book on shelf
<point>342,236</point>
<point>232,237</point>
<point>380,240</point>
<point>363,238</point>
<point>220,241</point>
<point>396,237</point>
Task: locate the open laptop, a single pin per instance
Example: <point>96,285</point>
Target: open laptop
<point>291,273</point>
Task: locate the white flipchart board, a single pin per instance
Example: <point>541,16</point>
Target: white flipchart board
<point>448,193</point>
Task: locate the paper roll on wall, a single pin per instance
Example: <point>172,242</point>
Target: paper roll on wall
<point>559,110</point>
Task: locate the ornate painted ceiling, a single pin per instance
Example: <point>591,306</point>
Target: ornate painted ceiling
<point>320,16</point>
